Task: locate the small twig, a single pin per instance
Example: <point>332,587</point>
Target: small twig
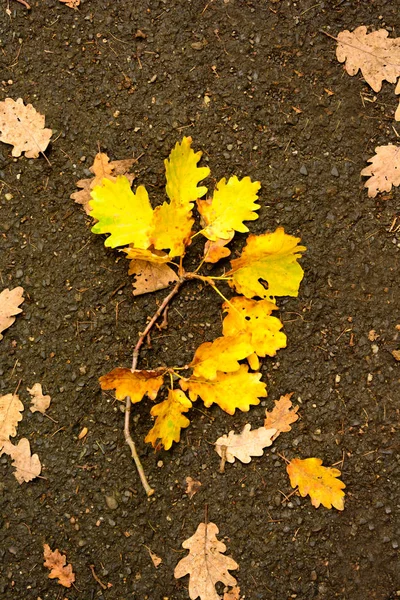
<point>95,577</point>
<point>24,4</point>
<point>149,491</point>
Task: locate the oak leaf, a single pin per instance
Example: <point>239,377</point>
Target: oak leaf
<point>172,228</point>
<point>215,251</point>
<point>101,168</point>
<point>374,53</point>
<point>134,384</point>
<point>27,465</point>
<point>150,255</point>
<point>282,415</point>
<point>254,318</point>
<point>11,408</point>
<point>9,307</point>
<point>150,276</point>
<point>40,403</point>
<point>232,203</point>
<point>57,563</point>
<point>319,482</point>
<point>244,445</point>
<point>193,487</point>
<point>384,170</point>
<point>222,354</point>
<point>170,420</point>
<point>72,3</point>
<point>23,127</point>
<point>233,594</point>
<point>271,257</point>
<point>206,563</point>
<point>183,175</point>
<point>127,216</point>
<point>231,391</point>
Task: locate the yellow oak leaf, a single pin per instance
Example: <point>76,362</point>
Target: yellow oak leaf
<point>319,482</point>
<point>183,175</point>
<point>281,416</point>
<point>222,354</point>
<point>134,384</point>
<point>150,276</point>
<point>123,214</point>
<point>271,257</point>
<point>232,203</point>
<point>206,563</point>
<point>253,317</point>
<point>172,227</point>
<point>57,563</point>
<point>231,391</point>
<point>170,420</point>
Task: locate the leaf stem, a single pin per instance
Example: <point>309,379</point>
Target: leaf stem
<point>128,438</point>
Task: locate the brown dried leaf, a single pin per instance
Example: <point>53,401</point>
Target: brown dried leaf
<point>384,170</point>
<point>102,168</point>
<point>156,560</point>
<point>10,415</point>
<point>59,569</point>
<point>193,487</point>
<point>233,594</point>
<point>28,465</point>
<point>72,3</point>
<point>23,127</point>
<point>244,445</point>
<point>281,416</point>
<point>374,53</point>
<point>206,563</point>
<point>40,403</point>
<point>150,276</point>
<point>9,303</point>
<point>396,354</point>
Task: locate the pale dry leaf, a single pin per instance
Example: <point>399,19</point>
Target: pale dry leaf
<point>281,416</point>
<point>233,594</point>
<point>193,487</point>
<point>384,170</point>
<point>156,560</point>
<point>40,403</point>
<point>27,465</point>
<point>375,54</point>
<point>244,445</point>
<point>23,127</point>
<point>9,306</point>
<point>56,562</point>
<point>10,415</point>
<point>101,168</point>
<point>396,354</point>
<point>206,563</point>
<point>71,3</point>
<point>150,276</point>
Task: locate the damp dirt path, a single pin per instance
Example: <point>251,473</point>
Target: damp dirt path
<point>257,86</point>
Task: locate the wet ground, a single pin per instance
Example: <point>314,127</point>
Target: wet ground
<point>258,87</point>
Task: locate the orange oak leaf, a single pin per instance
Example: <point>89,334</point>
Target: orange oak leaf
<point>72,3</point>
<point>231,391</point>
<point>222,354</point>
<point>384,170</point>
<point>282,415</point>
<point>40,403</point>
<point>9,307</point>
<point>233,594</point>
<point>27,465</point>
<point>206,563</point>
<point>11,408</point>
<point>319,482</point>
<point>244,445</point>
<point>215,251</point>
<point>101,168</point>
<point>57,563</point>
<point>23,127</point>
<point>134,384</point>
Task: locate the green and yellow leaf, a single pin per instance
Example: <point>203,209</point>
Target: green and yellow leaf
<point>254,318</point>
<point>183,175</point>
<point>222,354</point>
<point>123,214</point>
<point>170,420</point>
<point>134,384</point>
<point>271,257</point>
<point>319,482</point>
<point>231,391</point>
<point>232,203</point>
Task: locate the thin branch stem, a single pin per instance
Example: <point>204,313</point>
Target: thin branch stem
<point>149,491</point>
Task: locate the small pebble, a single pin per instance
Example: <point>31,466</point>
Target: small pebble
<point>335,172</point>
<point>303,170</point>
<point>111,502</point>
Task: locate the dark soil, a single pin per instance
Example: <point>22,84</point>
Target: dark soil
<point>260,63</point>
